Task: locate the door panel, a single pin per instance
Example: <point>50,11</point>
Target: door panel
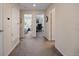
<point>53,24</point>
<point>50,25</point>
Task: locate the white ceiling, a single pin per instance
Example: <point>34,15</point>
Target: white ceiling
<point>29,6</point>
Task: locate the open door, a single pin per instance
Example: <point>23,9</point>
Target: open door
<point>27,23</point>
<point>53,24</point>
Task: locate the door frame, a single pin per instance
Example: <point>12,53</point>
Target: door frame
<point>53,24</point>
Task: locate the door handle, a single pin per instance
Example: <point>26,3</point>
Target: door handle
<point>1,30</point>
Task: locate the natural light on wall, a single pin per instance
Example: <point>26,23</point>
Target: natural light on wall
<point>27,21</point>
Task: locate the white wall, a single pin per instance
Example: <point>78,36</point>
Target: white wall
<point>67,28</point>
<point>49,26</point>
<point>46,27</point>
<point>33,24</point>
<point>66,33</point>
<point>11,27</point>
<point>15,26</point>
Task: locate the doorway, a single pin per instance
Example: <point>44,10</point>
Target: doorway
<point>39,23</point>
<point>27,23</point>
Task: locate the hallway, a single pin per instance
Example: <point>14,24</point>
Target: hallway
<point>59,23</point>
<point>35,47</point>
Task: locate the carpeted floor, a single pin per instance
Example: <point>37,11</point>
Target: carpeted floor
<point>35,47</point>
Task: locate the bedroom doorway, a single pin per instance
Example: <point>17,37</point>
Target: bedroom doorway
<point>27,23</point>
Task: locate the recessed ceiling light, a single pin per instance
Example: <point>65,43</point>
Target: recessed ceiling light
<point>34,5</point>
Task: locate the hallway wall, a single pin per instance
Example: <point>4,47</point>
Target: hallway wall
<point>67,28</point>
<point>49,26</point>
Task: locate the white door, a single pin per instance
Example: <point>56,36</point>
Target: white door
<point>50,25</point>
<point>53,24</point>
<point>1,32</point>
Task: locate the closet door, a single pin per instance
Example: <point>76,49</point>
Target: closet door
<point>53,24</point>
